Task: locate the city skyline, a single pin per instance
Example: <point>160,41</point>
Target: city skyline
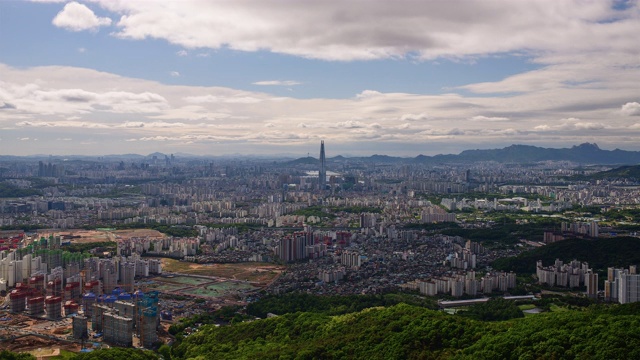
<point>218,78</point>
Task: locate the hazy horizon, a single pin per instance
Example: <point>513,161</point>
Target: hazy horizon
<point>291,155</point>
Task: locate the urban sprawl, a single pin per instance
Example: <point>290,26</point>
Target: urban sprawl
<point>117,248</point>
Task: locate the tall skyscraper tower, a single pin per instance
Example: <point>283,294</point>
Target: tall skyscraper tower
<point>322,174</point>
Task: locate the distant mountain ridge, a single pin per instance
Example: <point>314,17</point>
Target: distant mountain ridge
<point>585,153</point>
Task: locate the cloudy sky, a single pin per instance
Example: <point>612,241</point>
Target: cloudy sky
<point>275,77</point>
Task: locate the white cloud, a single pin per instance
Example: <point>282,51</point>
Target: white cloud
<point>631,109</point>
<point>344,31</point>
<point>277,83</point>
<point>543,127</point>
<point>488,118</point>
<point>368,94</point>
<point>78,17</point>
<point>350,124</point>
<point>414,117</point>
<point>78,103</point>
<point>237,99</point>
<point>174,74</point>
<point>182,53</point>
<point>589,126</point>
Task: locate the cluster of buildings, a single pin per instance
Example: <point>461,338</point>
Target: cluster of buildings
<point>573,275</point>
<point>505,204</point>
<point>465,257</point>
<point>40,257</point>
<point>166,246</point>
<point>117,317</point>
<point>301,245</point>
<point>622,285</point>
<point>573,229</point>
<point>436,214</point>
<point>118,272</point>
<point>466,283</point>
<point>43,280</point>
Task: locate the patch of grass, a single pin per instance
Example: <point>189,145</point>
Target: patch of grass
<point>556,308</point>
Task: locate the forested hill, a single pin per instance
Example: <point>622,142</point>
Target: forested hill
<point>623,172</point>
<point>405,331</point>
<point>600,254</point>
<point>410,332</point>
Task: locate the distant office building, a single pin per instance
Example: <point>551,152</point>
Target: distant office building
<point>322,174</point>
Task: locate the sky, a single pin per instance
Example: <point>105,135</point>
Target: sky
<point>265,77</point>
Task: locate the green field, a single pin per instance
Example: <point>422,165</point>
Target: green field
<point>165,287</point>
<point>185,280</point>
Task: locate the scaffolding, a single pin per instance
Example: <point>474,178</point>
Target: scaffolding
<point>147,308</point>
<point>117,330</point>
<point>36,305</point>
<point>17,300</point>
<point>87,303</point>
<point>148,325</point>
<point>97,317</point>
<point>80,327</point>
<point>53,305</point>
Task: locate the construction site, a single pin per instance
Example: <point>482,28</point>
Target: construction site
<point>118,319</point>
<point>50,298</point>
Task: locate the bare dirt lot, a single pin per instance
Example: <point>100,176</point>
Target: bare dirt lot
<point>262,273</point>
<point>89,236</point>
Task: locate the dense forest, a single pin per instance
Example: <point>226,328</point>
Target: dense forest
<point>411,332</point>
<point>11,191</point>
<point>494,330</point>
<point>331,305</point>
<point>506,232</point>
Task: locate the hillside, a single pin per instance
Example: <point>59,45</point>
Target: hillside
<point>623,172</point>
<point>600,254</point>
<point>493,330</point>
<point>410,332</point>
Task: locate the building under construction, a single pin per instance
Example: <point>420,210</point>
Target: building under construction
<point>80,327</point>
<point>53,306</point>
<point>148,327</point>
<point>70,307</point>
<point>117,330</point>
<point>116,319</point>
<point>94,286</point>
<point>147,307</point>
<point>37,282</point>
<point>97,316</point>
<point>126,309</point>
<point>54,288</point>
<point>36,305</point>
<point>18,300</point>
<point>72,291</point>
